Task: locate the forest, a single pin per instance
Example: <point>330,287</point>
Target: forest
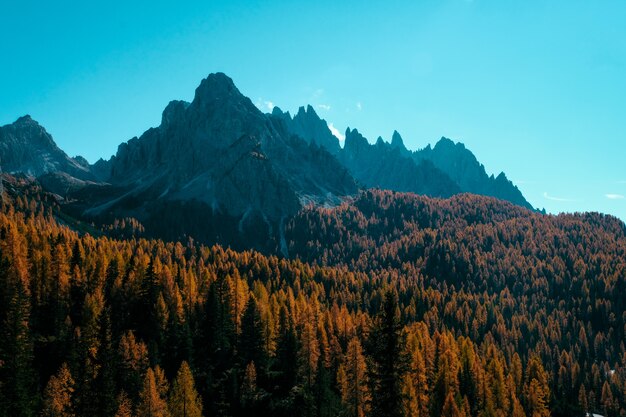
<point>388,305</point>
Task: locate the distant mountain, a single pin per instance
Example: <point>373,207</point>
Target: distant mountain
<point>447,169</point>
<point>383,166</point>
<point>26,147</point>
<point>308,125</point>
<point>460,164</point>
<point>218,161</point>
<point>220,170</point>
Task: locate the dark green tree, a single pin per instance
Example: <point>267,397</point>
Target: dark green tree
<point>387,363</point>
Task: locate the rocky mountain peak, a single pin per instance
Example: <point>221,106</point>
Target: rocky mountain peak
<point>173,112</point>
<point>355,142</point>
<point>25,146</point>
<point>397,142</point>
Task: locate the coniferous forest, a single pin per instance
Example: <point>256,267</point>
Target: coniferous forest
<point>388,305</point>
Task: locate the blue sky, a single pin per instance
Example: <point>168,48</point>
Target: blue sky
<point>536,89</point>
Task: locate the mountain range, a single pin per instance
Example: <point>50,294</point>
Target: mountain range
<point>220,170</point>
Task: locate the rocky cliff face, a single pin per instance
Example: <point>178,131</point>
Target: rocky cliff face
<point>26,147</point>
<point>217,169</point>
<point>221,150</point>
<point>447,169</point>
<point>310,127</point>
<point>460,164</point>
<point>388,166</point>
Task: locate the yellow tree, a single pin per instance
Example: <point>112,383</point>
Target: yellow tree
<point>536,390</point>
<point>184,400</point>
<point>150,402</point>
<point>352,377</point>
<point>58,394</point>
<point>124,406</point>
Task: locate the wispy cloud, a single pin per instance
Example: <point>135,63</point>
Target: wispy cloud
<point>614,196</point>
<point>559,199</point>
<point>325,107</point>
<point>336,133</point>
<point>621,182</point>
<point>318,93</point>
<point>359,106</point>
<point>264,105</point>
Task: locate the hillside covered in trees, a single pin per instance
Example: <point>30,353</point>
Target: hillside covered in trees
<point>389,305</point>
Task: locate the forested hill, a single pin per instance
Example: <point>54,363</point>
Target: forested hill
<point>461,307</point>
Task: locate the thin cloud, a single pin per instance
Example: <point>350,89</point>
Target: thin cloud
<point>359,107</point>
<point>264,105</point>
<point>614,196</point>
<point>559,199</point>
<point>336,133</point>
<point>325,107</point>
<point>318,93</point>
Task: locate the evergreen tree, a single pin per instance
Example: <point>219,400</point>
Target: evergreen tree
<point>57,400</point>
<point>353,380</point>
<point>286,353</point>
<point>19,391</point>
<point>124,406</point>
<point>387,362</point>
<point>151,404</point>
<point>536,389</point>
<point>251,343</point>
<point>105,381</point>
<point>184,400</point>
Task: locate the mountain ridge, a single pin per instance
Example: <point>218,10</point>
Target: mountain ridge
<point>222,170</point>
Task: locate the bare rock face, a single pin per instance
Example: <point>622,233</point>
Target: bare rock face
<point>447,169</point>
<point>386,166</point>
<point>460,164</point>
<point>221,151</point>
<point>310,127</point>
<point>26,147</point>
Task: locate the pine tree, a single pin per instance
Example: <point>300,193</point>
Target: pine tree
<point>309,353</point>
<point>536,390</point>
<point>58,394</point>
<point>606,399</point>
<point>105,382</point>
<point>286,353</point>
<point>251,343</point>
<point>450,407</point>
<point>133,357</point>
<point>582,400</point>
<point>353,380</point>
<point>124,406</point>
<point>387,362</point>
<point>16,350</point>
<point>151,404</point>
<point>184,400</point>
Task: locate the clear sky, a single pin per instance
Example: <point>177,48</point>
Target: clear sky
<point>536,89</point>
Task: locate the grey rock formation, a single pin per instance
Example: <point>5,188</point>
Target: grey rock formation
<point>222,151</point>
<point>310,127</point>
<point>460,164</point>
<point>26,147</point>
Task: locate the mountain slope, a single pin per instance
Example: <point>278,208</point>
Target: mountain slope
<point>382,166</point>
<point>26,147</point>
<point>222,164</point>
<point>460,164</point>
<point>442,171</point>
